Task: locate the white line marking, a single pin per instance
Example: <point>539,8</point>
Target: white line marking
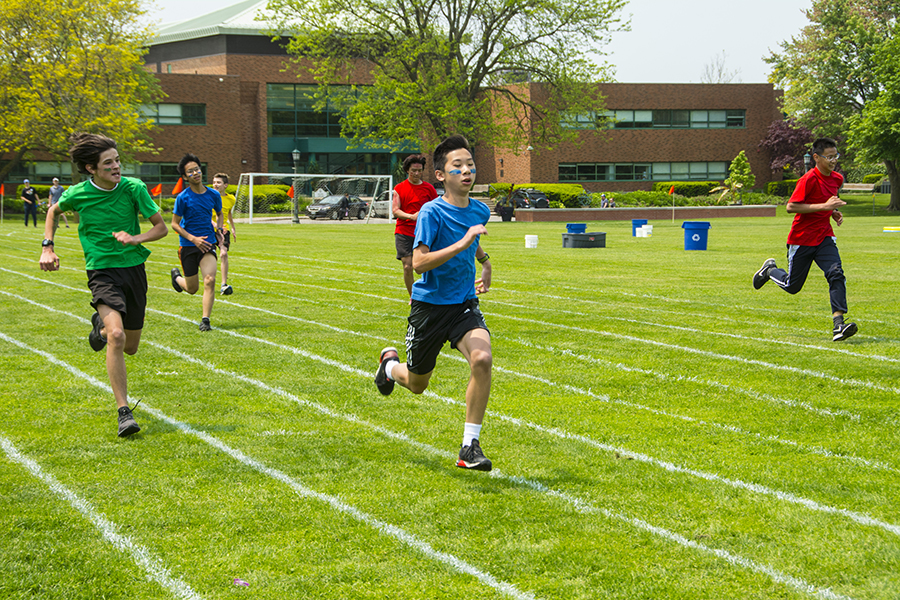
<point>155,569</point>
<point>580,505</point>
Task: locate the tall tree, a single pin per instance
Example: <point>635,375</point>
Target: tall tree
<point>715,71</point>
<point>449,66</point>
<point>830,71</point>
<point>875,131</point>
<point>73,65</point>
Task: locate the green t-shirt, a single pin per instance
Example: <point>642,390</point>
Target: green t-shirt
<point>101,213</point>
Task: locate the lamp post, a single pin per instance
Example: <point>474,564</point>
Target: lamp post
<point>807,161</point>
<point>296,156</point>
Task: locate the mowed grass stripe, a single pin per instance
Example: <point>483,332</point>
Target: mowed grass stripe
<point>152,565</point>
<point>295,484</point>
<point>855,516</point>
<point>398,533</point>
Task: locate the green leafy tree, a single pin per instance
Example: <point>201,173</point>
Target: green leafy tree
<point>875,131</point>
<point>740,177</point>
<point>438,67</point>
<point>833,71</point>
<point>73,65</point>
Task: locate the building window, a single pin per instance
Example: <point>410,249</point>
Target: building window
<point>175,114</point>
<point>290,112</point>
<point>666,171</point>
<point>656,119</point>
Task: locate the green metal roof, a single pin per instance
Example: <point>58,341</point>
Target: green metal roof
<point>237,19</point>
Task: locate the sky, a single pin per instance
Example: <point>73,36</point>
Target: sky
<point>669,41</point>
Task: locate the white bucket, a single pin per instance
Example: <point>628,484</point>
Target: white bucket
<point>531,241</point>
<point>640,232</point>
<point>648,230</point>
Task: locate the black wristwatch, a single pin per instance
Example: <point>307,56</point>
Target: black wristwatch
<point>46,243</point>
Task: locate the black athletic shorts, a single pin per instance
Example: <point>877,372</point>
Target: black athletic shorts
<point>123,290</point>
<point>226,240</point>
<point>403,243</point>
<point>190,257</point>
<point>430,325</point>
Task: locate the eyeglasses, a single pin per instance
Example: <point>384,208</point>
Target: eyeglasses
<point>193,171</point>
<point>830,158</point>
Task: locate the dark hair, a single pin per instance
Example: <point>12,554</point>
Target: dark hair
<point>87,148</point>
<point>414,159</point>
<point>221,176</point>
<point>821,144</point>
<point>185,160</point>
<point>454,142</point>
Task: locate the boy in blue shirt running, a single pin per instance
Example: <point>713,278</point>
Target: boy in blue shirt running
<point>444,306</point>
<point>197,244</point>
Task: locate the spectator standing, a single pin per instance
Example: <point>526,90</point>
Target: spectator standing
<point>30,201</point>
<point>56,192</point>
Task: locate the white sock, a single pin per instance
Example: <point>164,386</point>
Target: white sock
<point>471,431</point>
<point>390,367</point>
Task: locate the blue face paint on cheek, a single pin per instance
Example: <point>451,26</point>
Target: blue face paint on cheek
<point>455,172</point>
<point>472,170</point>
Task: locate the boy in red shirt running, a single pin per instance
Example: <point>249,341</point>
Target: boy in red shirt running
<point>815,202</point>
<point>408,198</point>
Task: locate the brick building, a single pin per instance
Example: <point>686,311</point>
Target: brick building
<point>235,100</point>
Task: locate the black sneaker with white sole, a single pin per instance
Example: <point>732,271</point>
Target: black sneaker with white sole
<point>762,276</point>
<point>204,324</point>
<point>175,275</point>
<point>227,290</point>
<point>385,385</point>
<point>127,424</point>
<point>96,340</point>
<point>471,457</point>
<point>843,330</point>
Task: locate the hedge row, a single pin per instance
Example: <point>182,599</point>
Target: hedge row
<point>873,178</point>
<point>689,189</point>
<point>567,194</point>
<point>782,188</point>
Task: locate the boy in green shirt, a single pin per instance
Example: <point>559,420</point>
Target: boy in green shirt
<point>108,206</point>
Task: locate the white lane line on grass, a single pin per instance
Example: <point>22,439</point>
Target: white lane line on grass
<point>154,568</point>
<point>336,503</point>
<point>858,517</point>
<point>582,506</point>
<point>736,336</point>
<point>729,357</point>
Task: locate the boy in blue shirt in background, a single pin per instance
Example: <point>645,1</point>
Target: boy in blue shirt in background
<point>444,306</point>
<point>197,244</point>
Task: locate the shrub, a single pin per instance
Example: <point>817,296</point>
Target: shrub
<point>781,188</point>
<point>873,178</point>
<point>566,194</point>
<point>13,205</point>
<point>689,189</point>
<point>281,207</point>
<point>166,205</point>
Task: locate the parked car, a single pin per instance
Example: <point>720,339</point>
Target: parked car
<point>525,198</point>
<point>381,206</point>
<point>327,207</point>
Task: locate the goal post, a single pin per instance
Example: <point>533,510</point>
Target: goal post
<point>271,197</point>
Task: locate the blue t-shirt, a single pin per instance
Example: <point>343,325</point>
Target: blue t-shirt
<point>441,224</point>
<point>194,210</point>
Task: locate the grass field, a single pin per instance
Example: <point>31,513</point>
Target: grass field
<point>658,428</point>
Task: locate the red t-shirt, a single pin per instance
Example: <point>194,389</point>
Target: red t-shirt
<point>809,229</point>
<point>412,197</point>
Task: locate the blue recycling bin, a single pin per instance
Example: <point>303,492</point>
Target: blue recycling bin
<point>695,234</point>
<point>635,223</point>
<point>576,227</point>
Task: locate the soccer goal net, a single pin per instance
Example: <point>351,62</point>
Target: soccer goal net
<point>271,197</point>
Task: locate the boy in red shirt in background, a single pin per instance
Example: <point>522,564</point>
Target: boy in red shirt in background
<point>815,202</point>
<point>408,198</point>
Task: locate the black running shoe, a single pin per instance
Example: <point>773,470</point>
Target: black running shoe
<point>471,457</point>
<point>96,340</point>
<point>843,331</point>
<point>385,385</point>
<point>175,274</point>
<point>762,276</point>
<point>204,325</point>
<point>227,290</point>
<point>127,424</point>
